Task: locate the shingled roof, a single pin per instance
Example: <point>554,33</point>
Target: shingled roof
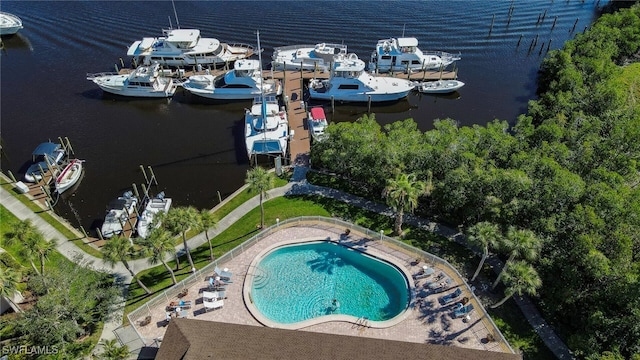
<point>189,339</point>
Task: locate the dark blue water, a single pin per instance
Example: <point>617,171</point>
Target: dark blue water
<point>197,149</point>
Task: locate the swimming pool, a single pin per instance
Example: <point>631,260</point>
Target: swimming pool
<point>296,283</point>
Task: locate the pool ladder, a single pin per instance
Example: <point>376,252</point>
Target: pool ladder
<point>362,323</point>
<point>260,277</point>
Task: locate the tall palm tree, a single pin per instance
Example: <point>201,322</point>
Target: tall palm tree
<point>260,180</point>
<point>111,350</point>
<point>28,250</point>
<point>9,280</point>
<point>521,244</point>
<point>520,278</point>
<point>43,249</point>
<point>179,220</point>
<point>402,194</point>
<point>207,221</point>
<point>485,235</point>
<point>119,248</point>
<point>158,244</point>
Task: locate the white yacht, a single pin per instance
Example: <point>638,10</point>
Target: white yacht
<point>119,212</point>
<point>185,47</point>
<point>9,23</point>
<point>350,82</point>
<point>306,57</point>
<point>159,204</point>
<point>402,54</point>
<point>266,127</point>
<point>317,123</point>
<point>144,81</point>
<point>245,81</point>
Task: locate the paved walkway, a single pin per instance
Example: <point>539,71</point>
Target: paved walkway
<point>297,186</point>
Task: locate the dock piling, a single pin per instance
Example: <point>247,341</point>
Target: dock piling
<point>518,44</point>
<point>554,23</point>
<point>13,179</point>
<point>121,63</point>
<point>492,20</point>
<point>574,26</point>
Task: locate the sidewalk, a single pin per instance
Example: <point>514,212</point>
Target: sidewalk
<point>297,186</point>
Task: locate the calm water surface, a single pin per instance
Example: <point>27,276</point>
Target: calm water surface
<point>196,149</point>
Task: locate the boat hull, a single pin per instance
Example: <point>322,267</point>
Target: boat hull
<point>9,24</point>
<point>69,176</point>
<point>358,97</point>
<point>440,87</point>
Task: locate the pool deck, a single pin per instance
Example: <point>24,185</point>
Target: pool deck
<point>426,321</point>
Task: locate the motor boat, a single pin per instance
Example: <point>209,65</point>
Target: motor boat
<point>144,81</point>
<point>266,127</point>
<point>44,156</point>
<point>245,81</point>
<point>185,47</point>
<point>317,123</point>
<point>156,205</point>
<point>69,176</point>
<point>403,54</point>
<point>349,82</point>
<point>9,23</point>
<point>306,57</point>
<point>118,213</point>
<point>439,87</point>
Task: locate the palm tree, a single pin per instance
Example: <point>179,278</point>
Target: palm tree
<point>485,235</point>
<point>402,194</point>
<point>178,221</point>
<point>521,244</point>
<point>28,250</point>
<point>119,248</point>
<point>43,249</point>
<point>111,350</point>
<point>158,244</point>
<point>260,180</point>
<point>9,280</point>
<point>207,221</point>
<point>22,232</point>
<point>520,278</point>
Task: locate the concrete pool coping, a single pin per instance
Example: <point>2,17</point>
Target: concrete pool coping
<point>378,255</point>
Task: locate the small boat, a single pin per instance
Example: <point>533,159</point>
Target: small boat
<point>69,176</point>
<point>9,23</point>
<point>185,47</point>
<point>306,57</point>
<point>402,54</point>
<point>118,213</point>
<point>159,204</point>
<point>266,127</point>
<point>245,81</point>
<point>317,123</point>
<point>350,82</point>
<point>144,81</point>
<point>439,87</point>
<point>45,155</point>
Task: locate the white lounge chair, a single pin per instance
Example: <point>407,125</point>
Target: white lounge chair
<point>212,305</point>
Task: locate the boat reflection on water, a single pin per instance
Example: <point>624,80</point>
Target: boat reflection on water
<point>450,96</point>
<point>15,42</point>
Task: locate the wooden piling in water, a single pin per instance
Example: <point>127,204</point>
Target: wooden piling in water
<point>518,44</point>
<point>492,20</point>
<point>554,22</point>
<point>574,26</point>
<point>549,45</point>
<point>544,15</point>
<point>536,40</point>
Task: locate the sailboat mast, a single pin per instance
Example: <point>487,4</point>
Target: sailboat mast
<point>263,103</point>
<point>175,13</point>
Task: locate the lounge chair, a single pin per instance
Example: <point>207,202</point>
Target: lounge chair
<point>464,310</point>
<point>424,273</point>
<point>440,285</point>
<point>216,285</point>
<point>223,274</point>
<point>450,297</point>
<point>183,314</point>
<point>212,305</point>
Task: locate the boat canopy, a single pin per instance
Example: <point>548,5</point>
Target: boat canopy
<point>317,113</point>
<point>266,147</point>
<point>46,149</point>
<point>183,36</point>
<point>408,42</point>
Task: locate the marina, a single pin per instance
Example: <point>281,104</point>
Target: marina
<point>204,143</point>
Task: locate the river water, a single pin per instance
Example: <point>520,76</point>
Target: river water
<point>196,150</point>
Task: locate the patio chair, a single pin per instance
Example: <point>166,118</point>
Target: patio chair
<point>440,285</point>
<point>424,273</point>
<point>216,285</point>
<point>223,274</point>
<point>212,305</point>
<point>463,311</point>
<point>450,297</point>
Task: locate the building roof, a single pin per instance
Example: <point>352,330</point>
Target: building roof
<point>198,339</point>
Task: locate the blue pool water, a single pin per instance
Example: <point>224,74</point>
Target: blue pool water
<point>300,282</point>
